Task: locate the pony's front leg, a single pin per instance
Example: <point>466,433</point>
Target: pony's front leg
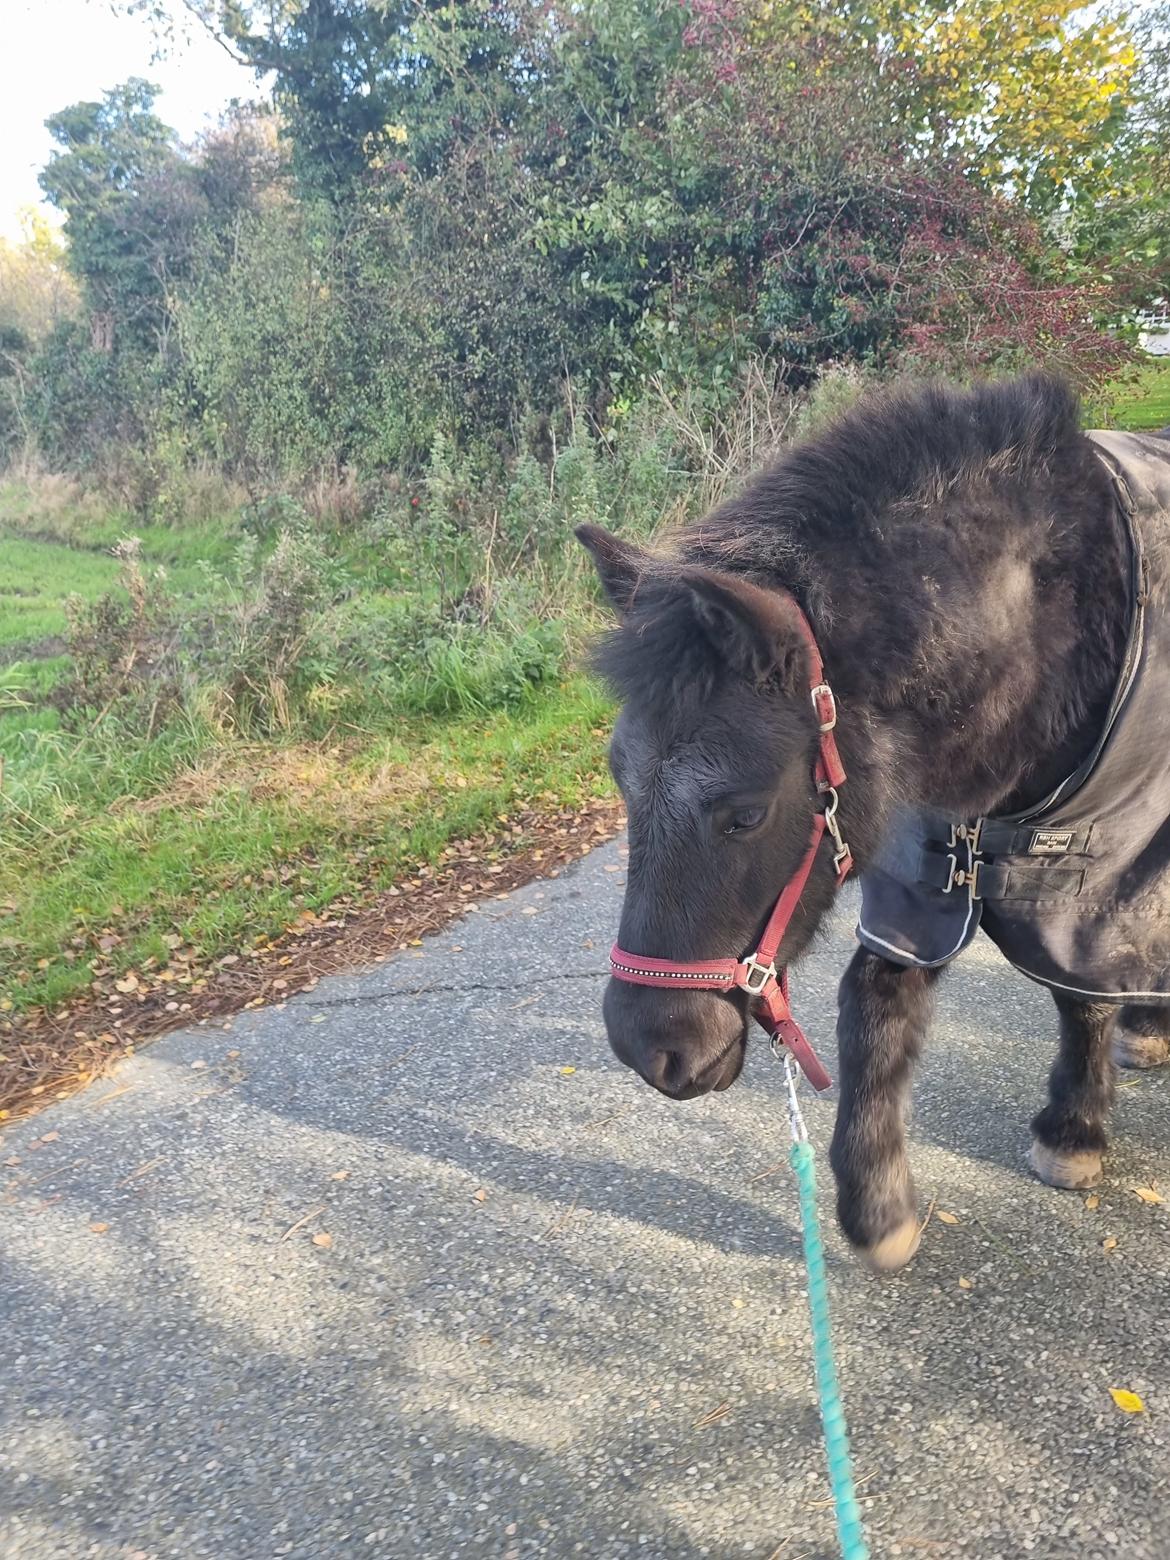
<point>884,1011</point>
<point>1068,1136</point>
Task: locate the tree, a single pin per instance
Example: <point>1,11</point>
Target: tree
<point>1123,229</point>
<point>37,291</point>
<point>490,197</point>
<point>1032,94</point>
<point>131,211</point>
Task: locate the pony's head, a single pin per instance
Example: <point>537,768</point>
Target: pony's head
<point>713,752</point>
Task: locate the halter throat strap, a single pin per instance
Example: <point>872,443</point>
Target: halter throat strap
<point>756,973</point>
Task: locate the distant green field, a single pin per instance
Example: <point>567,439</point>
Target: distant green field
<point>35,579</point>
<point>57,547</point>
<point>1145,401</point>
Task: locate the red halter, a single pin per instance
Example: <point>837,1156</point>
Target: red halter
<point>757,974</point>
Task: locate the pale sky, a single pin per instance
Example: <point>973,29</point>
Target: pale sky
<point>57,52</point>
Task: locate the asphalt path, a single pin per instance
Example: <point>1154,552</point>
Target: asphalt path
<point>411,1267</point>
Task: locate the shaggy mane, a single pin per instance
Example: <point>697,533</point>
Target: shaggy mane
<point>895,455</point>
<point>917,486</point>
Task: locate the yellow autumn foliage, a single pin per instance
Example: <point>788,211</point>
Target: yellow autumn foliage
<point>1031,91</point>
<point>36,290</point>
<point>1032,87</point>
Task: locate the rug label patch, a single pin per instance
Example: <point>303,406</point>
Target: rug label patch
<point>1050,842</point>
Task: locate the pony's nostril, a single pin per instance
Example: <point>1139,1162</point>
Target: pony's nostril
<point>676,1047</point>
<point>676,1069</point>
<point>669,1071</point>
<point>661,1068</point>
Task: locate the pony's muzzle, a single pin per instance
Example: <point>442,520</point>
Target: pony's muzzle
<point>683,1043</point>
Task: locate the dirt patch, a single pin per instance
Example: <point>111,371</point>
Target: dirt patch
<point>47,1056</point>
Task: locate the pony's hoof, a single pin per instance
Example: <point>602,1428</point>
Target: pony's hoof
<point>894,1250</point>
<point>1071,1170</point>
<point>1131,1050</point>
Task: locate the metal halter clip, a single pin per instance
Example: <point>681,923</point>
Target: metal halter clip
<point>754,968</point>
<point>841,851</point>
<point>791,1076</point>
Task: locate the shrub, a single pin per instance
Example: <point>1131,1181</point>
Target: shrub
<point>122,644</point>
<point>253,636</point>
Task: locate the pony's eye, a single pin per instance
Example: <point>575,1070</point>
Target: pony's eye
<point>746,818</point>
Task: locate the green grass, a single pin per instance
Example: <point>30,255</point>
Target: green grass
<point>200,833</point>
<point>55,543</point>
<point>37,574</point>
<point>225,845</point>
<point>35,579</point>
<point>1144,401</point>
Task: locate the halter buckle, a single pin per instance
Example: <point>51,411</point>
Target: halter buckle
<point>753,968</point>
<point>825,706</point>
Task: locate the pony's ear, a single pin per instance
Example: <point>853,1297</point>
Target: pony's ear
<point>620,565</point>
<point>757,633</point>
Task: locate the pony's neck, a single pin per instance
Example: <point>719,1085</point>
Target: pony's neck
<point>976,677</point>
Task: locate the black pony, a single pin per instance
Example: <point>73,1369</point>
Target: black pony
<point>966,559</point>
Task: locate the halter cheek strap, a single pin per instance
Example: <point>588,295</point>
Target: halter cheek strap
<point>766,986</point>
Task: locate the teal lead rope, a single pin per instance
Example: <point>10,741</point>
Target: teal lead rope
<point>849,1529</point>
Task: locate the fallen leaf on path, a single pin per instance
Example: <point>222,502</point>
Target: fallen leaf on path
<point>99,1228</point>
<point>567,1071</point>
<point>480,1196</point>
<point>322,1239</point>
<point>1148,1194</point>
<point>966,1283</point>
<point>945,1218</point>
<point>1127,1402</point>
<point>1092,1200</point>
<point>127,984</point>
<point>340,1175</point>
<point>1109,1243</point>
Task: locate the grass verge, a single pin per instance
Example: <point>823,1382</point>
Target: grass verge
<point>1144,402</point>
<point>47,1055</point>
<point>240,840</point>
